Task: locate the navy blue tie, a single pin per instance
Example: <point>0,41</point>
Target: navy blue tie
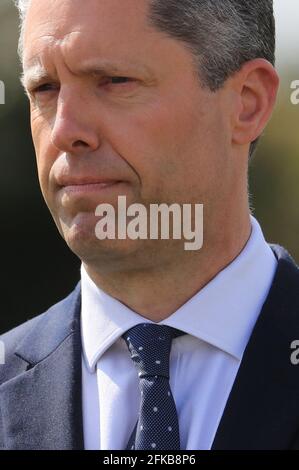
<point>157,427</point>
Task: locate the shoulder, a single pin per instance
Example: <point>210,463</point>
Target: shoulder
<point>39,332</point>
<point>12,338</point>
<point>285,260</point>
<point>15,335</point>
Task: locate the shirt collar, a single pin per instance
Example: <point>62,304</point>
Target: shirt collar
<point>223,313</point>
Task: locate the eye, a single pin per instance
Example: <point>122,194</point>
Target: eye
<point>44,88</point>
<point>118,80</point>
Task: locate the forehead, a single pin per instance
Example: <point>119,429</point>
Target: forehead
<point>104,24</point>
<point>85,35</point>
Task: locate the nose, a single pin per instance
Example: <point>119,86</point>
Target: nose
<point>74,130</point>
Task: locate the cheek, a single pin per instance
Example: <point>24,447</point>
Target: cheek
<point>168,144</point>
<point>44,151</point>
<point>151,137</point>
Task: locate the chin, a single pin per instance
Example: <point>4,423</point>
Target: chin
<point>84,244</point>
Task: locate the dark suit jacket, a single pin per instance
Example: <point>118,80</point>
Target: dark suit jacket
<point>40,384</point>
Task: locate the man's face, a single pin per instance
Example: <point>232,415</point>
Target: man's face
<point>117,109</point>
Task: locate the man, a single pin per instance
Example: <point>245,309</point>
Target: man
<point>158,347</point>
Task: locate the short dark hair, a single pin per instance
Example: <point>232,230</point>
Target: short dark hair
<point>222,34</point>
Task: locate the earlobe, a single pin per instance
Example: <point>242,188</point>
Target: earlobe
<point>256,85</point>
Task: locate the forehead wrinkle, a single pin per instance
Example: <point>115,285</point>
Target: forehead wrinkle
<point>33,69</point>
<point>50,40</point>
<point>96,66</point>
<point>104,66</point>
<point>37,71</point>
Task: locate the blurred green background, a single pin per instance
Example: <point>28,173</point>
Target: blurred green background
<point>37,268</point>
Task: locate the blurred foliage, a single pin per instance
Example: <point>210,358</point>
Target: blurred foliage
<point>37,267</point>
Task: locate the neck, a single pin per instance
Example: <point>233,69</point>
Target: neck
<point>150,292</point>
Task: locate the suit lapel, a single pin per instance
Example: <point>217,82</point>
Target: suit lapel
<point>262,411</point>
<point>41,407</point>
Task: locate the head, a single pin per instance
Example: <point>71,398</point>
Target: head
<point>164,98</point>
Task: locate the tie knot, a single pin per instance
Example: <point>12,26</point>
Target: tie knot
<point>149,346</point>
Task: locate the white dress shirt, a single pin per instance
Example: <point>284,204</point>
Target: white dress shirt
<point>218,321</point>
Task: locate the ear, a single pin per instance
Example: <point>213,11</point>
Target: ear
<point>255,88</point>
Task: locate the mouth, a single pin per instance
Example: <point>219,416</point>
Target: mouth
<point>86,184</point>
<point>89,187</point>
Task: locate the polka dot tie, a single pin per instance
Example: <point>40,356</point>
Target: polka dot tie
<point>157,427</point>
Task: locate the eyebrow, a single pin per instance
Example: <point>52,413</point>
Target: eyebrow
<point>36,73</point>
<point>33,74</point>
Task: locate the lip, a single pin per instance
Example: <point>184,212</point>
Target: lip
<point>88,186</point>
<point>67,181</point>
